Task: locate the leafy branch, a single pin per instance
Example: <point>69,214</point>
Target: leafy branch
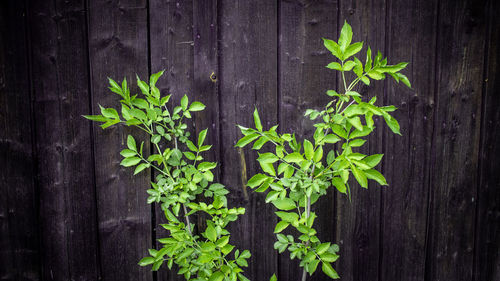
<point>182,178</point>
<point>305,170</point>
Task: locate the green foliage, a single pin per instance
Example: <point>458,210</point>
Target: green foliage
<point>296,174</point>
<point>182,178</point>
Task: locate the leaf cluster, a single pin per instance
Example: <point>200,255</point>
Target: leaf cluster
<point>183,181</point>
<point>296,173</point>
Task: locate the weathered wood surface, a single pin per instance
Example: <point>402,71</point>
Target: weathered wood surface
<point>68,211</point>
<point>301,50</point>
<point>248,79</point>
<point>118,48</point>
<point>19,199</point>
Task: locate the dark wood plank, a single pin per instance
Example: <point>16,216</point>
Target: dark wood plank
<point>487,248</point>
<point>303,81</point>
<point>248,78</point>
<point>118,48</point>
<point>65,166</point>
<point>19,254</point>
<point>171,27</point>
<point>358,222</point>
<point>411,38</point>
<point>460,54</point>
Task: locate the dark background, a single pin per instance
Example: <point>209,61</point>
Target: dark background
<point>68,211</point>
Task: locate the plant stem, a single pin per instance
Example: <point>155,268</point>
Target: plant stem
<point>187,219</point>
<point>308,213</point>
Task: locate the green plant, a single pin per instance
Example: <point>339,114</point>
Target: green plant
<point>182,178</point>
<point>303,172</point>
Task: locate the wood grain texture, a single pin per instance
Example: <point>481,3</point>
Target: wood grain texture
<point>68,211</point>
<point>171,27</point>
<point>487,248</point>
<point>19,228</point>
<point>460,54</point>
<point>118,48</point>
<point>303,81</point>
<point>358,222</point>
<point>411,38</point>
<point>63,142</point>
<point>248,78</point>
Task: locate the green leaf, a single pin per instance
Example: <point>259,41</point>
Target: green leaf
<point>146,261</point>
<point>333,47</point>
<point>217,276</point>
<point>328,270</point>
<point>360,176</point>
<point>210,233</point>
<point>353,49</point>
<point>318,154</point>
<point>247,139</point>
<point>260,142</point>
<point>368,63</point>
<point>127,153</point>
<point>281,226</point>
<point>109,113</point>
<point>201,137</point>
<point>196,106</point>
<point>273,278</point>
<point>284,204</point>
<point>320,249</point>
<point>140,168</point>
<point>98,118</point>
<point>131,161</point>
<point>256,180</point>
<point>392,123</point>
<point>404,79</point>
<point>356,122</point>
<point>348,65</point>
<point>345,37</point>
<point>373,160</point>
<point>131,143</point>
<point>268,168</point>
<point>376,176</point>
<point>288,217</point>
<point>222,241</point>
<point>155,139</point>
<point>308,149</point>
<point>184,102</point>
<point>256,119</point>
<point>154,77</point>
<point>335,66</point>
<point>331,138</point>
<point>294,157</point>
<point>267,158</point>
<point>339,184</point>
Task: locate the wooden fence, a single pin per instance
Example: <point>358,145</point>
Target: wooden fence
<point>68,211</point>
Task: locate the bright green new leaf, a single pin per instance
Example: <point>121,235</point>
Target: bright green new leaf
<point>184,102</point>
<point>376,176</point>
<point>345,37</point>
<point>256,119</point>
<point>281,226</point>
<point>201,137</point>
<point>373,160</point>
<point>131,143</point>
<point>294,158</point>
<point>335,66</point>
<point>348,65</point>
<point>273,278</point>
<point>360,176</point>
<point>333,47</point>
<point>217,276</point>
<point>147,260</point>
<point>256,180</point>
<point>196,106</point>
<point>247,139</point>
<point>308,149</point>
<point>267,158</point>
<point>285,204</point>
<point>353,49</point>
<point>211,233</point>
<point>328,270</point>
